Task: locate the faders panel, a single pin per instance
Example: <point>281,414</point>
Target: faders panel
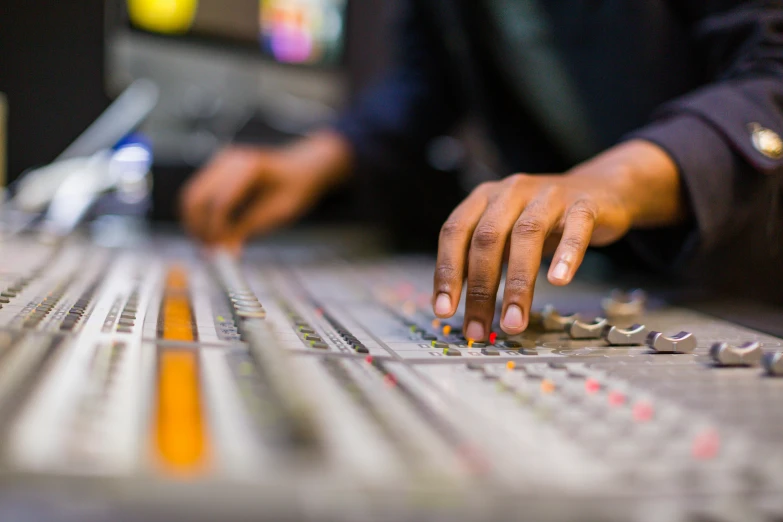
<point>156,382</point>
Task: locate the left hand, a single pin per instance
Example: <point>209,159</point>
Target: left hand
<point>524,217</point>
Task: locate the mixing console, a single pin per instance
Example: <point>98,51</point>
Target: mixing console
<point>155,382</point>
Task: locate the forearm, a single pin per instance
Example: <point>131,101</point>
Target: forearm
<point>643,177</point>
<point>326,154</point>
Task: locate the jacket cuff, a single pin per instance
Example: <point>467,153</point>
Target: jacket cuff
<point>707,169</point>
<point>713,137</point>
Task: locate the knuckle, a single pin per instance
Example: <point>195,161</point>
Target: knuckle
<point>486,235</point>
<point>518,284</point>
<point>551,192</point>
<point>515,180</point>
<point>583,209</point>
<point>485,188</point>
<point>446,273</point>
<point>479,293</point>
<point>520,178</point>
<point>574,243</point>
<point>452,229</point>
<point>529,226</point>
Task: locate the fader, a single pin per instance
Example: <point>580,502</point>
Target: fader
<point>153,383</point>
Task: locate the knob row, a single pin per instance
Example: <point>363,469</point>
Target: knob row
<point>634,335</point>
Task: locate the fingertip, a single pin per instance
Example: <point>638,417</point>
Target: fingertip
<point>475,331</point>
<point>559,274</point>
<point>514,320</point>
<point>443,306</point>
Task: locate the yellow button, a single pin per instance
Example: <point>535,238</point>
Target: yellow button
<point>766,141</point>
<point>163,16</point>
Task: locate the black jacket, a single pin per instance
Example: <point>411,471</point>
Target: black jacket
<point>703,79</point>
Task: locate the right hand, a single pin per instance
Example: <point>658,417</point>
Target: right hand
<point>246,191</point>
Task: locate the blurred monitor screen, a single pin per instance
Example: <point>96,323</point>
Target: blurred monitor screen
<point>305,32</point>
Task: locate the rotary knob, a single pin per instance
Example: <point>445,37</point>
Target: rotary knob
<point>579,330</point>
<point>552,321</point>
<point>634,335</point>
<point>683,342</point>
<point>748,354</point>
<point>773,363</point>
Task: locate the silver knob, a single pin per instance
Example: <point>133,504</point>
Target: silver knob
<point>552,321</point>
<point>634,335</point>
<point>748,354</point>
<point>683,342</point>
<point>773,363</point>
<point>624,304</point>
<point>578,330</point>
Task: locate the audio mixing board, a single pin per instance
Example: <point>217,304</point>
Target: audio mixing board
<point>156,382</point>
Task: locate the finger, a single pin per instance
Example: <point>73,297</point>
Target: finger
<point>452,250</point>
<point>485,258</point>
<point>196,198</point>
<point>239,176</point>
<point>277,209</point>
<point>527,243</point>
<point>194,203</point>
<point>577,231</point>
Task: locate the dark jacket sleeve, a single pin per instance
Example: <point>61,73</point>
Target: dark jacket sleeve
<point>393,122</point>
<point>732,182</point>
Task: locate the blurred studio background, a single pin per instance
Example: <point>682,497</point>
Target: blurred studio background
<point>260,71</point>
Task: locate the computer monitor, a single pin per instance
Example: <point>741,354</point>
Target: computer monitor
<point>219,62</point>
<point>302,32</point>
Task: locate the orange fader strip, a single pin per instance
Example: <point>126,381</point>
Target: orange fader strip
<point>180,433</point>
<point>176,315</point>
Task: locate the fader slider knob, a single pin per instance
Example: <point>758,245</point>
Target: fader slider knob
<point>748,354</point>
<point>552,321</point>
<point>683,342</point>
<point>634,335</point>
<point>625,304</point>
<point>580,330</point>
<point>773,363</point>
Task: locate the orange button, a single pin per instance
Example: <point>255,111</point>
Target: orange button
<point>547,386</point>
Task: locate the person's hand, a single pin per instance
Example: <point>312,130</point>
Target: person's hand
<point>523,217</point>
<point>246,191</point>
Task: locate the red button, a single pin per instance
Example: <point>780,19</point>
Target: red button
<point>616,398</point>
<point>706,445</point>
<point>493,337</point>
<point>643,412</point>
<point>592,385</point>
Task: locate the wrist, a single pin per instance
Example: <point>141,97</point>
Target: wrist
<point>644,178</point>
<point>325,156</point>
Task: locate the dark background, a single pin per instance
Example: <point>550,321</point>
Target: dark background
<point>52,67</point>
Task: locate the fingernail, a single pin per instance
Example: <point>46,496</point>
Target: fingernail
<point>561,271</point>
<point>443,304</point>
<point>513,318</point>
<point>475,331</point>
